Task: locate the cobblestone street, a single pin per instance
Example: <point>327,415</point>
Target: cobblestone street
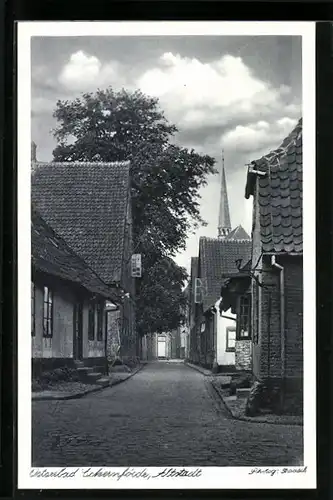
<point>165,415</point>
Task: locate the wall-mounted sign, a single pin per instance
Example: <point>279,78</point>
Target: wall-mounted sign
<point>198,290</point>
<point>136,265</point>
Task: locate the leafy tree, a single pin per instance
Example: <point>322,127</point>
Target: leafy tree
<point>116,126</point>
<point>161,301</point>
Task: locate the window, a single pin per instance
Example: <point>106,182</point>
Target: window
<point>244,317</point>
<point>100,311</point>
<point>48,313</point>
<point>231,338</point>
<point>33,309</point>
<point>91,321</point>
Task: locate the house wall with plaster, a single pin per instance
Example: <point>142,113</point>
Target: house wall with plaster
<point>57,350</point>
<point>224,356</point>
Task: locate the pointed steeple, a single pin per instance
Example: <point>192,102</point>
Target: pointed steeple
<point>224,226</point>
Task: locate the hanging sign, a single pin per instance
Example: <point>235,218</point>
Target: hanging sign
<point>136,265</point>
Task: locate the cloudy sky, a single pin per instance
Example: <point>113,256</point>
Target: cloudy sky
<point>242,94</point>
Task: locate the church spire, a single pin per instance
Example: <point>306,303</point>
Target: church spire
<point>224,226</point>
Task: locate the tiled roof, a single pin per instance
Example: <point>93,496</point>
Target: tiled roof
<point>51,255</point>
<point>86,203</point>
<point>238,233</point>
<point>281,196</point>
<point>217,261</point>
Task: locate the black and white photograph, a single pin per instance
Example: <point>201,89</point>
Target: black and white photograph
<point>164,228</point>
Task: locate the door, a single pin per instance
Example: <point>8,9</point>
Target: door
<point>161,347</point>
<point>78,332</point>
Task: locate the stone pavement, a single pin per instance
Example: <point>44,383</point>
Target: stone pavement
<point>75,390</point>
<point>236,407</point>
<point>167,415</point>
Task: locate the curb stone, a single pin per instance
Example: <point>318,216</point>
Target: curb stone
<point>252,420</point>
<point>204,371</point>
<point>78,395</point>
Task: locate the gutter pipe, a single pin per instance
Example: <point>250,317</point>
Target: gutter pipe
<point>228,317</point>
<point>282,314</point>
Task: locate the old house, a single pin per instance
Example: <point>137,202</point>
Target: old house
<point>216,331</point>
<point>68,321</point>
<point>88,204</point>
<point>236,298</point>
<point>275,183</point>
<point>193,354</point>
<point>213,334</point>
<point>185,328</point>
<point>163,345</point>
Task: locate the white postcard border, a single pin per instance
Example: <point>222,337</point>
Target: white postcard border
<point>211,477</point>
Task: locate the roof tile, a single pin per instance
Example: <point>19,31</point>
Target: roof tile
<point>86,203</point>
<point>280,196</point>
<point>217,260</point>
<point>52,255</point>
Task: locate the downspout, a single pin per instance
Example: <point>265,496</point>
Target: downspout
<point>214,365</point>
<point>282,314</point>
<point>269,334</point>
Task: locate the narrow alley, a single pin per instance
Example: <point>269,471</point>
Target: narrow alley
<point>166,415</point>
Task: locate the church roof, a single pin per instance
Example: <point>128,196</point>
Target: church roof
<point>280,195</point>
<point>224,213</point>
<point>238,233</point>
<point>86,204</point>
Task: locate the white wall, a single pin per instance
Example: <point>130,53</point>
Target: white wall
<point>61,344</point>
<point>222,356</point>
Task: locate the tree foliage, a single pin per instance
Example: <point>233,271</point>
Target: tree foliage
<point>161,301</point>
<point>166,178</point>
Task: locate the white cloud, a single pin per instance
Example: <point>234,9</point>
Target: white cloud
<point>196,93</point>
<point>192,93</point>
<point>256,136</point>
<point>86,72</point>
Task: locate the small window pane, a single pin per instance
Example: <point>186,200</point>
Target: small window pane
<point>231,339</point>
<point>47,313</point>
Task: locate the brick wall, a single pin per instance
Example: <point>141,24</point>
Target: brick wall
<point>270,328</point>
<point>266,325</point>
<point>294,316</point>
<point>243,355</point>
<point>267,362</point>
<point>270,341</point>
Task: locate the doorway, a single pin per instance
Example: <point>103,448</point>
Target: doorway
<point>161,347</point>
<point>78,332</point>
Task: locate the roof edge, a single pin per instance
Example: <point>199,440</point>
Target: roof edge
<point>124,163</point>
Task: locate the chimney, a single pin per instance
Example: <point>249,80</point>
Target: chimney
<point>33,152</point>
